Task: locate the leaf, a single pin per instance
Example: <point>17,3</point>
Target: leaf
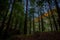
<point>39,3</point>
<point>32,2</point>
<point>32,10</point>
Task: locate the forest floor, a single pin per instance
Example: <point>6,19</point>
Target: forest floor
<point>38,36</point>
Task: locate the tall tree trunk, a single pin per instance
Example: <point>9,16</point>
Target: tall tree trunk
<point>8,23</point>
<point>41,15</point>
<point>16,23</point>
<point>4,19</point>
<point>33,23</point>
<point>30,24</point>
<point>42,23</point>
<point>58,10</point>
<point>15,28</point>
<point>5,33</point>
<point>50,21</point>
<point>12,21</point>
<point>39,20</point>
<point>26,16</point>
<point>20,27</point>
<point>52,16</point>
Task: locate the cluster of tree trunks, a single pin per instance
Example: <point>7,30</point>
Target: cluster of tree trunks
<point>26,18</point>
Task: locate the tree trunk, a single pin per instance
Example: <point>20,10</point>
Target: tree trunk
<point>5,33</point>
<point>39,20</point>
<point>50,21</point>
<point>33,23</point>
<point>17,31</point>
<point>8,23</point>
<point>16,23</point>
<point>42,25</point>
<point>30,24</point>
<point>4,19</point>
<point>58,11</point>
<point>26,16</point>
<point>52,16</point>
<point>12,21</point>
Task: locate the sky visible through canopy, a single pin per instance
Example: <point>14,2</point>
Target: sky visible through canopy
<point>45,7</point>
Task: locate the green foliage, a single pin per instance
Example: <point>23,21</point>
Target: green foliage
<point>32,2</point>
<point>18,13</point>
<point>39,3</point>
<point>32,10</point>
<point>19,7</point>
<point>19,1</point>
<point>3,5</point>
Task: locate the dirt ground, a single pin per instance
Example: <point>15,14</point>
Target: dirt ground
<point>38,36</point>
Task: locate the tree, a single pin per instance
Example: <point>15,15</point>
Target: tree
<point>30,22</point>
<point>26,17</point>
<point>4,18</point>
<point>39,19</point>
<point>40,4</point>
<point>32,11</point>
<point>50,21</point>
<point>5,33</point>
<point>57,6</point>
<point>52,15</point>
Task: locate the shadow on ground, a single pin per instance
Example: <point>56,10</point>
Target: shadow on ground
<point>38,36</point>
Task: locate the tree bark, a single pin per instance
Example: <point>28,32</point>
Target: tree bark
<point>4,19</point>
<point>50,21</point>
<point>26,16</point>
<point>52,16</point>
<point>30,24</point>
<point>58,11</point>
<point>5,33</point>
<point>33,23</point>
<point>39,20</point>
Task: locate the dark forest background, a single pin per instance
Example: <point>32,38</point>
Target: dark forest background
<point>29,16</point>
